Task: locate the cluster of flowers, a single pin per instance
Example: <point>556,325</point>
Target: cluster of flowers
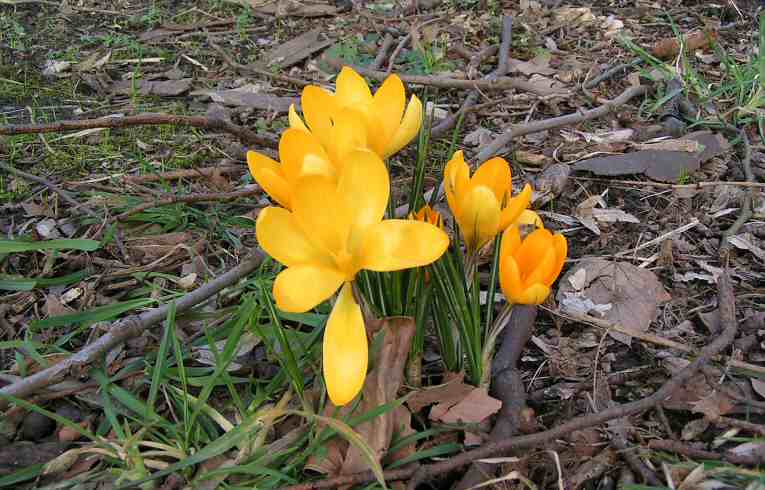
<point>333,188</point>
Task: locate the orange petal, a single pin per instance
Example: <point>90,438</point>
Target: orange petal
<point>533,250</point>
<point>510,278</point>
<point>494,174</point>
<point>511,242</point>
<point>561,251</point>
<point>515,207</point>
<point>535,294</point>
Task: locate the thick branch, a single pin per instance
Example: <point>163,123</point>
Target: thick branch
<point>243,134</point>
<point>124,329</point>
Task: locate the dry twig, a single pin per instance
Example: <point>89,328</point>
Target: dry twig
<point>692,452</point>
<point>188,198</point>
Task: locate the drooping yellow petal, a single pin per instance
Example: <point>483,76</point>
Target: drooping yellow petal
<point>515,207</point>
<point>268,174</point>
<point>302,154</point>
<point>533,295</point>
<point>295,120</point>
<point>282,237</point>
<point>397,244</point>
<point>410,126</point>
<point>510,278</point>
<point>363,188</point>
<point>351,89</point>
<point>388,109</point>
<point>494,174</point>
<point>345,349</point>
<point>299,288</point>
<point>456,180</point>
<point>478,217</point>
<point>529,217</point>
<point>321,213</point>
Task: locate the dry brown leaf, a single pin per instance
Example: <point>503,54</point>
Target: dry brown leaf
<point>713,406</point>
<point>633,293</point>
<point>164,88</point>
<point>297,49</point>
<point>669,48</point>
<point>474,408</point>
<point>539,64</point>
<point>449,393</point>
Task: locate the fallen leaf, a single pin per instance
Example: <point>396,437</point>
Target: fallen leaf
<point>588,213</point>
<point>693,429</point>
<point>670,47</point>
<point>539,64</point>
<point>529,158</point>
<point>205,355</point>
<point>633,293</point>
<point>297,49</point>
<point>666,166</point>
<point>248,96</point>
<point>165,88</point>
<point>479,137</point>
<point>550,183</point>
<point>450,392</point>
<point>474,408</point>
<point>746,241</point>
<point>758,386</point>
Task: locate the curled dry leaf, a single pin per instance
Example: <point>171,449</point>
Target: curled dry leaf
<point>633,293</point>
<point>550,183</point>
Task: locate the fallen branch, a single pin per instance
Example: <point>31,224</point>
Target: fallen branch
<point>500,83</point>
<point>50,185</point>
<point>187,198</point>
<point>500,71</point>
<point>516,131</point>
<point>692,452</point>
<point>425,472</point>
<point>124,329</point>
<point>383,52</point>
<point>188,173</point>
<point>663,185</point>
<point>149,119</point>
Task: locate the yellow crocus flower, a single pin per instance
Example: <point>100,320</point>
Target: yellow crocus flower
<point>389,122</point>
<point>428,215</point>
<point>332,232</point>
<point>529,266</point>
<point>482,205</point>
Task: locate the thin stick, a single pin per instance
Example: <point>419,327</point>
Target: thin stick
<point>124,329</point>
<point>245,135</point>
<point>500,83</point>
<point>50,185</point>
<point>516,131</point>
<point>405,40</point>
<point>188,173</point>
<point>383,52</point>
<point>422,473</point>
<point>656,241</point>
<point>692,452</point>
<point>662,185</point>
<point>188,198</point>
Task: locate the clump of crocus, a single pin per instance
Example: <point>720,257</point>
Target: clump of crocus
<point>388,120</point>
<point>529,266</point>
<point>482,204</point>
<point>334,230</point>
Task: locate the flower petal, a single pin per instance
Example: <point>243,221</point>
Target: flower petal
<point>321,213</point>
<point>515,207</point>
<point>561,251</point>
<point>351,89</point>
<point>298,289</point>
<point>456,180</point>
<point>410,126</point>
<point>281,236</point>
<point>542,269</point>
<point>478,217</point>
<point>364,187</point>
<point>397,244</point>
<point>388,104</point>
<point>268,174</point>
<point>533,250</point>
<point>511,241</point>
<point>529,217</point>
<point>301,154</point>
<point>348,134</point>
<point>295,120</point>
<point>510,278</point>
<point>494,174</point>
<point>536,294</point>
<point>345,349</point>
<point>318,108</point>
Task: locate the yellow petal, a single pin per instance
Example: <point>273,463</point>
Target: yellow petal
<point>456,180</point>
<point>388,105</point>
<point>363,188</point>
<point>511,241</point>
<point>515,207</point>
<point>533,295</point>
<point>494,174</point>
<point>351,89</point>
<point>298,289</point>
<point>529,217</point>
<point>301,154</point>
<point>348,134</point>
<point>542,269</point>
<point>281,236</point>
<point>410,126</point>
<point>321,214</point>
<point>510,278</point>
<point>397,244</point>
<point>345,350</point>
<point>318,108</point>
<point>295,120</point>
<point>268,174</point>
<point>533,250</point>
<point>478,217</point>
<point>561,251</point>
